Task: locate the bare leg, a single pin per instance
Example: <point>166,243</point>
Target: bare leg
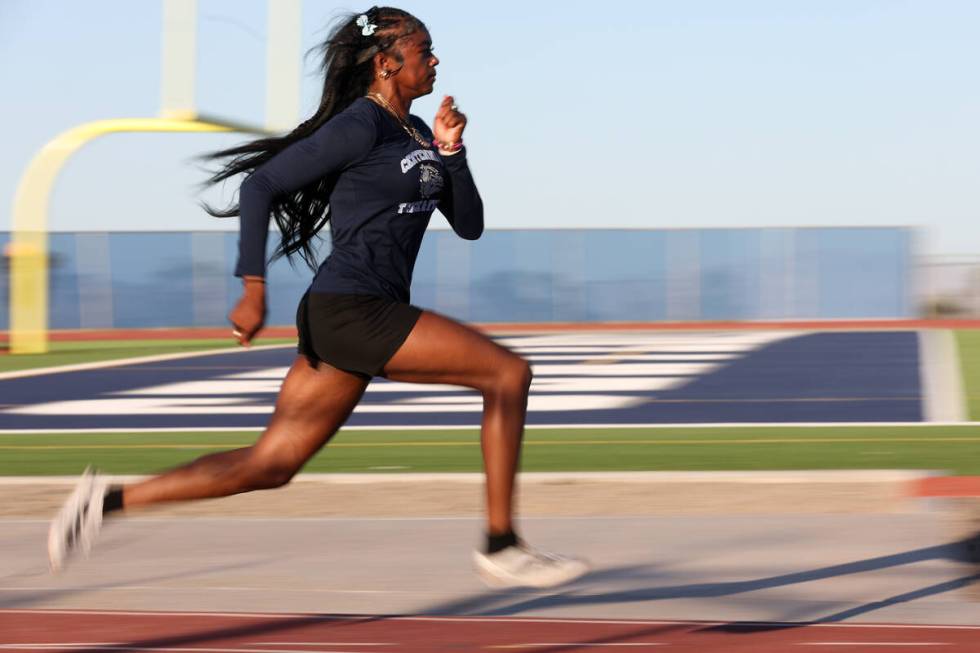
<point>440,350</point>
<point>311,407</point>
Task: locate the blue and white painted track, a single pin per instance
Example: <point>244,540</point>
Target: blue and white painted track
<point>580,379</point>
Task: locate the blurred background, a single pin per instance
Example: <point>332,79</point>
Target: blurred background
<point>647,161</point>
<point>653,161</point>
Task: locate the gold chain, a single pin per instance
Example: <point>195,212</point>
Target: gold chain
<point>409,129</point>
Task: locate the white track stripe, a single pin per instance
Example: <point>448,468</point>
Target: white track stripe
<point>152,405</point>
<point>120,362</point>
<point>130,647</point>
<point>860,644</point>
<point>533,620</point>
<point>762,477</point>
<point>475,427</point>
<point>943,397</point>
<point>577,644</point>
<point>666,358</point>
<point>321,644</point>
<point>653,342</point>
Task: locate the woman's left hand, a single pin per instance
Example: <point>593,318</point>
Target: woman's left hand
<point>449,123</point>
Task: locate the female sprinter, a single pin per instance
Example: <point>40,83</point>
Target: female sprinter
<point>380,172</point>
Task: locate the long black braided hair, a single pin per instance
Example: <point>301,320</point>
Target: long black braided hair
<point>348,68</point>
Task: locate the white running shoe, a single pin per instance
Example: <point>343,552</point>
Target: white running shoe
<point>523,566</point>
<point>78,522</point>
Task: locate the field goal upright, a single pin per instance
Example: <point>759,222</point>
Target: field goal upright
<point>28,250</point>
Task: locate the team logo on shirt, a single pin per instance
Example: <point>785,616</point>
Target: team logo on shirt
<point>417,157</point>
<point>418,207</point>
<point>430,180</point>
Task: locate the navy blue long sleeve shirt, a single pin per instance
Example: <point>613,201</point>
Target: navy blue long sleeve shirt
<point>385,186</point>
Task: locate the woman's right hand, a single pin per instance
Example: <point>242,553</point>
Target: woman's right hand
<point>248,316</point>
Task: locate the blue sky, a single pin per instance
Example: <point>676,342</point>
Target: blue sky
<point>693,113</point>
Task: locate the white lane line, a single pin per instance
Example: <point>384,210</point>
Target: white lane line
<point>684,365</point>
<point>731,343</point>
<point>130,647</point>
<point>577,644</point>
<point>718,341</point>
<point>218,588</point>
<point>530,620</point>
<point>152,405</point>
<point>238,386</point>
<point>872,644</point>
<point>57,644</point>
<point>638,385</point>
<point>457,427</point>
<point>943,397</point>
<point>631,357</point>
<point>763,477</point>
<point>634,369</point>
<point>122,362</point>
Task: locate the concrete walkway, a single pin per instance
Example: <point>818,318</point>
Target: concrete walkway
<point>884,568</point>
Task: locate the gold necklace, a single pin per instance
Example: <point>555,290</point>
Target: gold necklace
<point>409,129</point>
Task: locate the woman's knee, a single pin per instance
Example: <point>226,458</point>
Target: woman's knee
<point>264,471</point>
<point>513,376</point>
<point>525,375</point>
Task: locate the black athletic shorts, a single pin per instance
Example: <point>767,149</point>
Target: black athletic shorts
<point>354,333</point>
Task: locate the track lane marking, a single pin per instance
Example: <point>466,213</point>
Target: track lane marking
<point>473,443</point>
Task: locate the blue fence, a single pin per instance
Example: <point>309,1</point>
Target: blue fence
<point>170,279</point>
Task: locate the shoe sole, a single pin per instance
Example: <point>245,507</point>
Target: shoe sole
<point>58,551</point>
<point>504,581</point>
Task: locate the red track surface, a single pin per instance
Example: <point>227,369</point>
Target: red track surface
<point>947,486</point>
<point>92,631</point>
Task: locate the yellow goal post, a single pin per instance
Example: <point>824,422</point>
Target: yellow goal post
<point>27,251</point>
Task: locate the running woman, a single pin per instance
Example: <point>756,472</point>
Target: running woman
<point>377,172</point>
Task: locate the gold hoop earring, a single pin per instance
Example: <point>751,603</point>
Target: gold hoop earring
<point>384,74</point>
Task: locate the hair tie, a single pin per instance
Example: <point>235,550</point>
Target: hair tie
<point>367,28</point>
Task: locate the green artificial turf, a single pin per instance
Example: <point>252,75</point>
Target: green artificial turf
<point>76,352</point>
<point>947,448</point>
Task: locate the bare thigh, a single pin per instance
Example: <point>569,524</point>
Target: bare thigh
<point>313,404</point>
<point>441,350</point>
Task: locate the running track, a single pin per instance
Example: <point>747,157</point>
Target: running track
<point>91,632</point>
<point>854,376</point>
